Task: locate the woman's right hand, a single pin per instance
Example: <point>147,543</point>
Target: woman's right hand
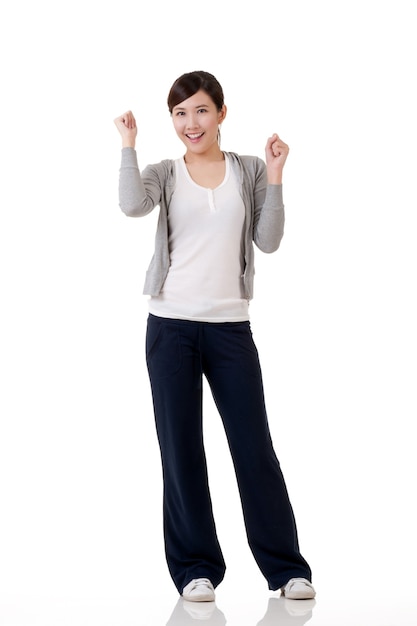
<point>126,125</point>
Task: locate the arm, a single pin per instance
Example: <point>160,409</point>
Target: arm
<point>126,125</point>
<point>269,216</point>
<point>135,198</point>
<point>276,152</point>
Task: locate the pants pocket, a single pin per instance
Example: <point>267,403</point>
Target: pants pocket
<point>163,348</point>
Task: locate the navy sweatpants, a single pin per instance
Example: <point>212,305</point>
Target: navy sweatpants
<point>179,353</point>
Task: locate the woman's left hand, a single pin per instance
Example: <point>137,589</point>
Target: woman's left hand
<point>276,152</point>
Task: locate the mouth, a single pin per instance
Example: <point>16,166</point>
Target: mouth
<point>194,136</point>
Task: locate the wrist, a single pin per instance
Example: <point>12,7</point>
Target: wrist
<point>274,175</point>
<point>275,179</point>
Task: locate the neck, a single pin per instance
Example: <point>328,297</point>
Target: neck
<point>214,154</point>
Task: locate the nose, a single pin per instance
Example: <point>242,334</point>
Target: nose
<point>192,121</point>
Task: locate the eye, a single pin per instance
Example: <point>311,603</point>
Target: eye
<point>179,113</point>
<point>201,110</point>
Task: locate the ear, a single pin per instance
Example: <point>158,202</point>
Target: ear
<point>222,114</point>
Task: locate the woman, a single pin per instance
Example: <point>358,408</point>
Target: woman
<point>213,206</point>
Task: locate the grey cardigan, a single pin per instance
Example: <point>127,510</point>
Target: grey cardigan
<point>140,193</point>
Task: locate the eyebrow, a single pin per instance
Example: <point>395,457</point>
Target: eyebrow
<point>199,106</point>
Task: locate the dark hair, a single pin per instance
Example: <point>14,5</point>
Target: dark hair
<point>188,84</point>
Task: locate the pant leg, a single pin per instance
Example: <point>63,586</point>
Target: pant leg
<point>232,368</point>
<point>174,365</point>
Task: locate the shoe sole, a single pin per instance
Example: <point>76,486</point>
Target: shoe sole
<point>200,598</point>
<point>299,596</point>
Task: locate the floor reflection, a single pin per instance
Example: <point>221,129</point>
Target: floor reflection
<point>280,612</point>
<point>189,612</point>
<point>284,612</point>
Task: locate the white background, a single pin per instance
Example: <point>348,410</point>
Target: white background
<point>334,315</point>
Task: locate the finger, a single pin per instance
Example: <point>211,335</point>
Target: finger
<point>280,146</point>
<point>121,120</point>
<point>127,119</point>
<point>131,122</point>
<point>270,141</point>
<point>275,148</point>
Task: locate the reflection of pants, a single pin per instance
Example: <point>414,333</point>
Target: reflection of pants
<point>179,353</point>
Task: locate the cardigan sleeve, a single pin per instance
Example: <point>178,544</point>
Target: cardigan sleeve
<point>139,193</point>
<point>269,215</point>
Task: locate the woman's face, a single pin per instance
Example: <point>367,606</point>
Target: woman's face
<point>196,121</point>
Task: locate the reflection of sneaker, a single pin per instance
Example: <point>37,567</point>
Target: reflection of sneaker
<point>287,612</point>
<point>298,589</point>
<point>188,613</point>
<point>299,608</point>
<point>201,611</point>
<point>199,590</point>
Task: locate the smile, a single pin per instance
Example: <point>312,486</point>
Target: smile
<point>194,136</point>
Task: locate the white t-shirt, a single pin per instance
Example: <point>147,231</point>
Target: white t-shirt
<point>204,281</point>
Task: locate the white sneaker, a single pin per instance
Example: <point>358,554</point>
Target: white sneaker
<point>199,590</point>
<point>298,589</point>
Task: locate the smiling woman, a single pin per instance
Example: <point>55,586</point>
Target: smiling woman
<point>214,206</point>
<point>197,116</point>
<point>196,121</point>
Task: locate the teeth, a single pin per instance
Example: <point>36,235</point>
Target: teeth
<point>195,136</point>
